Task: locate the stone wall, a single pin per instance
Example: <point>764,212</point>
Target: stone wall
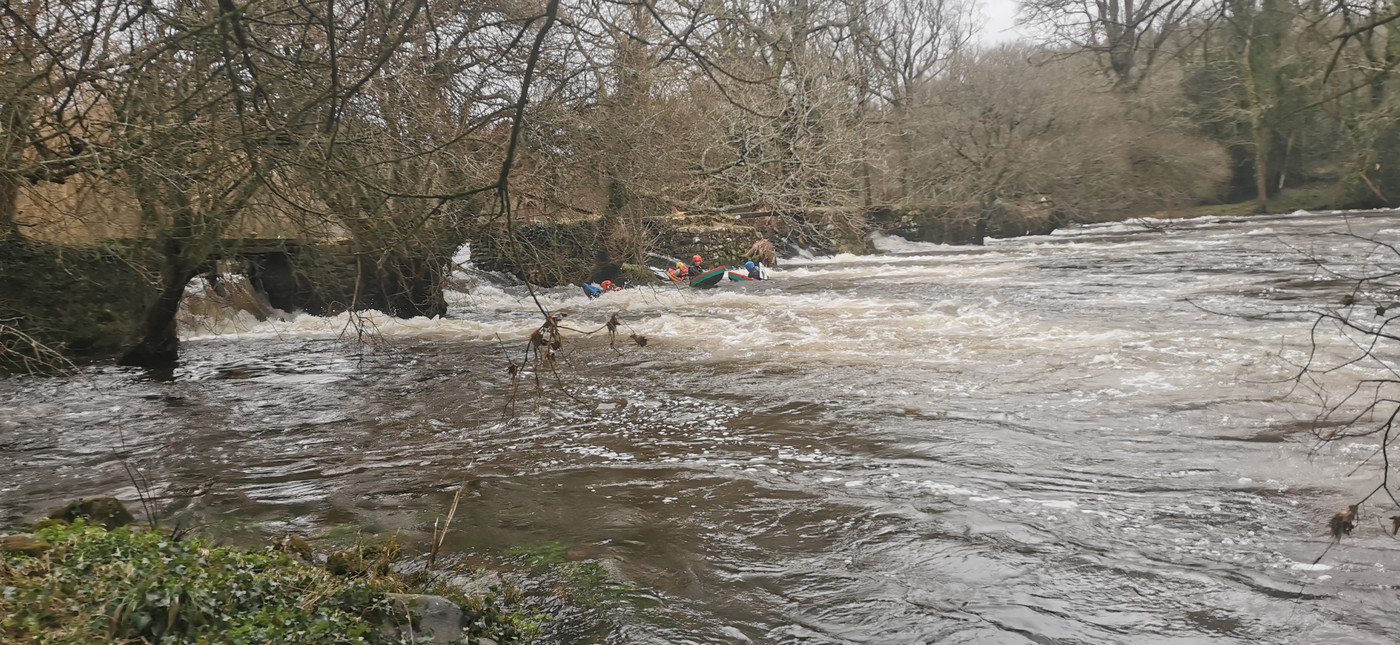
<point>945,225</point>
<point>85,301</point>
<point>571,251</point>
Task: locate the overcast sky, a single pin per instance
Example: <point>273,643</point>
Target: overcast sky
<point>1001,18</point>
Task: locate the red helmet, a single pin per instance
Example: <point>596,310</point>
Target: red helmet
<point>607,283</point>
<point>695,259</point>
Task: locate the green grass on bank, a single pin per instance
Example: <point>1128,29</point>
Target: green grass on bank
<point>141,586</point>
<point>1311,197</point>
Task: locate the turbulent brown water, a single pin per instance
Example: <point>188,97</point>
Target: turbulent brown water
<point>1046,440</point>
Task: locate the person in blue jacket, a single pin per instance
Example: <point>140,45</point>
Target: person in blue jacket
<point>753,271</point>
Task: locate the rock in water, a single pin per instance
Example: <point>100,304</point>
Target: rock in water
<point>107,511</point>
<point>430,619</point>
<point>1343,522</point>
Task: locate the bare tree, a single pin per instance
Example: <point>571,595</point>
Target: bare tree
<point>53,54</point>
<point>1127,37</point>
<point>1348,368</point>
<point>211,91</point>
<point>900,47</point>
<point>1001,129</point>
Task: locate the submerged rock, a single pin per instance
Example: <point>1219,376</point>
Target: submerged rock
<point>107,511</point>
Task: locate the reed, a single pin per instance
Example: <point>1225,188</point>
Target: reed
<point>440,534</point>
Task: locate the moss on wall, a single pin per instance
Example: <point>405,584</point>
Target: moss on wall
<point>86,302</point>
<point>545,253</point>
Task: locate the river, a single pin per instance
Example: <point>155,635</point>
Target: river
<point>1054,439</point>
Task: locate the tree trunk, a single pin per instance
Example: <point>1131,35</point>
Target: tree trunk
<point>9,204</point>
<point>1257,130</point>
<point>1261,164</point>
<point>420,292</point>
<point>987,208</point>
<point>160,344</point>
<point>979,228</point>
<point>402,288</point>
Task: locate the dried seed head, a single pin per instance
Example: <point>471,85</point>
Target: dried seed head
<point>1343,522</point>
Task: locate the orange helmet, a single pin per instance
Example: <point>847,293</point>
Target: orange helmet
<point>695,259</point>
<point>607,284</point>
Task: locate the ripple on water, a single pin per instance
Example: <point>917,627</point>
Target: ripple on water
<point>1044,440</point>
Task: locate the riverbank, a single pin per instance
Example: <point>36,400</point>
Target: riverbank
<point>81,583</point>
<point>103,578</point>
<point>1313,197</point>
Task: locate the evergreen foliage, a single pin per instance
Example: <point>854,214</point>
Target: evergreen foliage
<point>132,585</point>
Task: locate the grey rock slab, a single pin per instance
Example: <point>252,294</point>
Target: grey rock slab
<point>432,619</point>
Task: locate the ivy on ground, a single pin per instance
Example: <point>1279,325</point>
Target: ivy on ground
<point>142,586</point>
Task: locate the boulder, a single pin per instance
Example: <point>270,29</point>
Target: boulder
<point>479,585</point>
<point>297,547</point>
<point>362,559</point>
<point>429,619</point>
<point>23,544</point>
<point>636,274</point>
<point>346,563</point>
<point>46,523</point>
<point>107,511</point>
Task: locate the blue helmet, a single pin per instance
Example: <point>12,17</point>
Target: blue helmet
<point>748,265</point>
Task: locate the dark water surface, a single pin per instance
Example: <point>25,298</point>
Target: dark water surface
<point>1047,440</point>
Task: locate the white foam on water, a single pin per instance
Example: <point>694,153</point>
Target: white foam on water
<point>897,244</point>
<point>942,310</point>
<point>880,324</point>
<point>1303,566</point>
<point>903,269</point>
<point>341,325</point>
